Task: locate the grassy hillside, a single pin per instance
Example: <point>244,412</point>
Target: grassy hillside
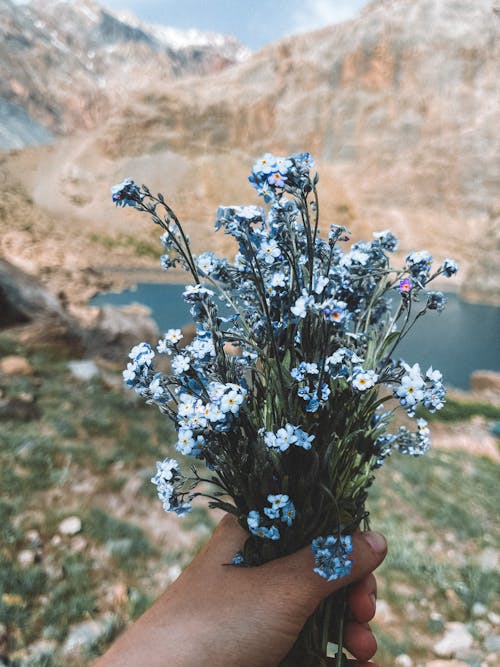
<point>86,449</point>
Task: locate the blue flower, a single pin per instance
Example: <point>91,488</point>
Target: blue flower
<point>277,501</point>
<point>436,301</point>
<point>303,439</point>
<point>288,513</point>
<point>253,520</point>
<point>126,193</point>
<point>449,268</point>
<point>331,556</point>
<point>238,559</point>
<point>271,533</point>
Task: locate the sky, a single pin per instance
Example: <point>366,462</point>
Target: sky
<point>255,22</point>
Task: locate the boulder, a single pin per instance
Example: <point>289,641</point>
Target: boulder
<point>117,329</point>
<point>23,299</point>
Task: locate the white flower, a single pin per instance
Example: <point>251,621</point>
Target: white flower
<point>130,372</point>
<point>363,380</point>
<point>301,304</point>
<point>180,363</point>
<point>173,336</point>
<point>320,284</point>
<point>155,387</point>
<point>231,402</point>
<point>285,437</point>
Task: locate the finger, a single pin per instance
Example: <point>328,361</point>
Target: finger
<point>228,538</point>
<point>359,640</point>
<point>297,570</point>
<point>363,598</point>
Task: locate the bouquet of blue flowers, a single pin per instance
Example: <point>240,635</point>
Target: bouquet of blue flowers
<point>281,392</point>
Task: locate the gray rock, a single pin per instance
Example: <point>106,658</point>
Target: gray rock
<point>71,525</point>
<point>403,660</point>
<point>456,638</point>
<point>479,610</point>
<point>85,635</point>
<point>83,370</point>
<point>492,643</point>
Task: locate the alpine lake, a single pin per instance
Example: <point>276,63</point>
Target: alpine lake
<point>459,340</point>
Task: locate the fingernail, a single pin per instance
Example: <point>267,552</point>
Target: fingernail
<point>376,541</point>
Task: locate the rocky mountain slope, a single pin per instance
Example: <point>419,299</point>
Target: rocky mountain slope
<point>65,64</point>
<point>399,107</point>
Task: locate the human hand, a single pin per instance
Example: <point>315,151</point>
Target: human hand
<point>218,615</point>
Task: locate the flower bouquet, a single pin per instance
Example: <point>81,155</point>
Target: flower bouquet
<point>280,396</point>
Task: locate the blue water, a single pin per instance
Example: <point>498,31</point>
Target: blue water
<point>463,338</point>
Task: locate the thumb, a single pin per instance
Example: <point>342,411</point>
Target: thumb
<point>297,570</point>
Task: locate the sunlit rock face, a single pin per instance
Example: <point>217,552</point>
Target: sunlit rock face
<point>64,65</point>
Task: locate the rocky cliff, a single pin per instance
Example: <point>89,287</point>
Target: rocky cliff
<point>64,65</point>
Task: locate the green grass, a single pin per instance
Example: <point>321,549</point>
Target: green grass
<point>456,411</point>
<point>138,247</point>
<point>126,542</point>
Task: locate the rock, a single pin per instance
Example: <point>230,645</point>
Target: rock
<point>41,650</point>
<point>479,610</point>
<point>489,558</point>
<point>492,643</point>
<point>482,628</point>
<point>117,329</point>
<point>493,618</point>
<point>485,381</point>
<point>24,300</point>
<point>15,365</point>
<point>403,660</point>
<point>78,544</point>
<point>83,636</point>
<point>456,638</point>
<point>26,557</point>
<point>83,370</point>
<point>71,525</point>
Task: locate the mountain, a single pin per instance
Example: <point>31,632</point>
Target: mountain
<point>399,107</point>
<point>64,64</point>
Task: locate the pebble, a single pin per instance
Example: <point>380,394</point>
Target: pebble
<point>71,525</point>
<point>26,557</point>
<point>83,635</point>
<point>403,660</point>
<point>494,618</point>
<point>489,558</point>
<point>78,544</point>
<point>83,370</point>
<point>15,365</point>
<point>456,638</point>
<point>479,610</point>
<point>492,643</point>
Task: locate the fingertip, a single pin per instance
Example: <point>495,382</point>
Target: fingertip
<point>376,541</point>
